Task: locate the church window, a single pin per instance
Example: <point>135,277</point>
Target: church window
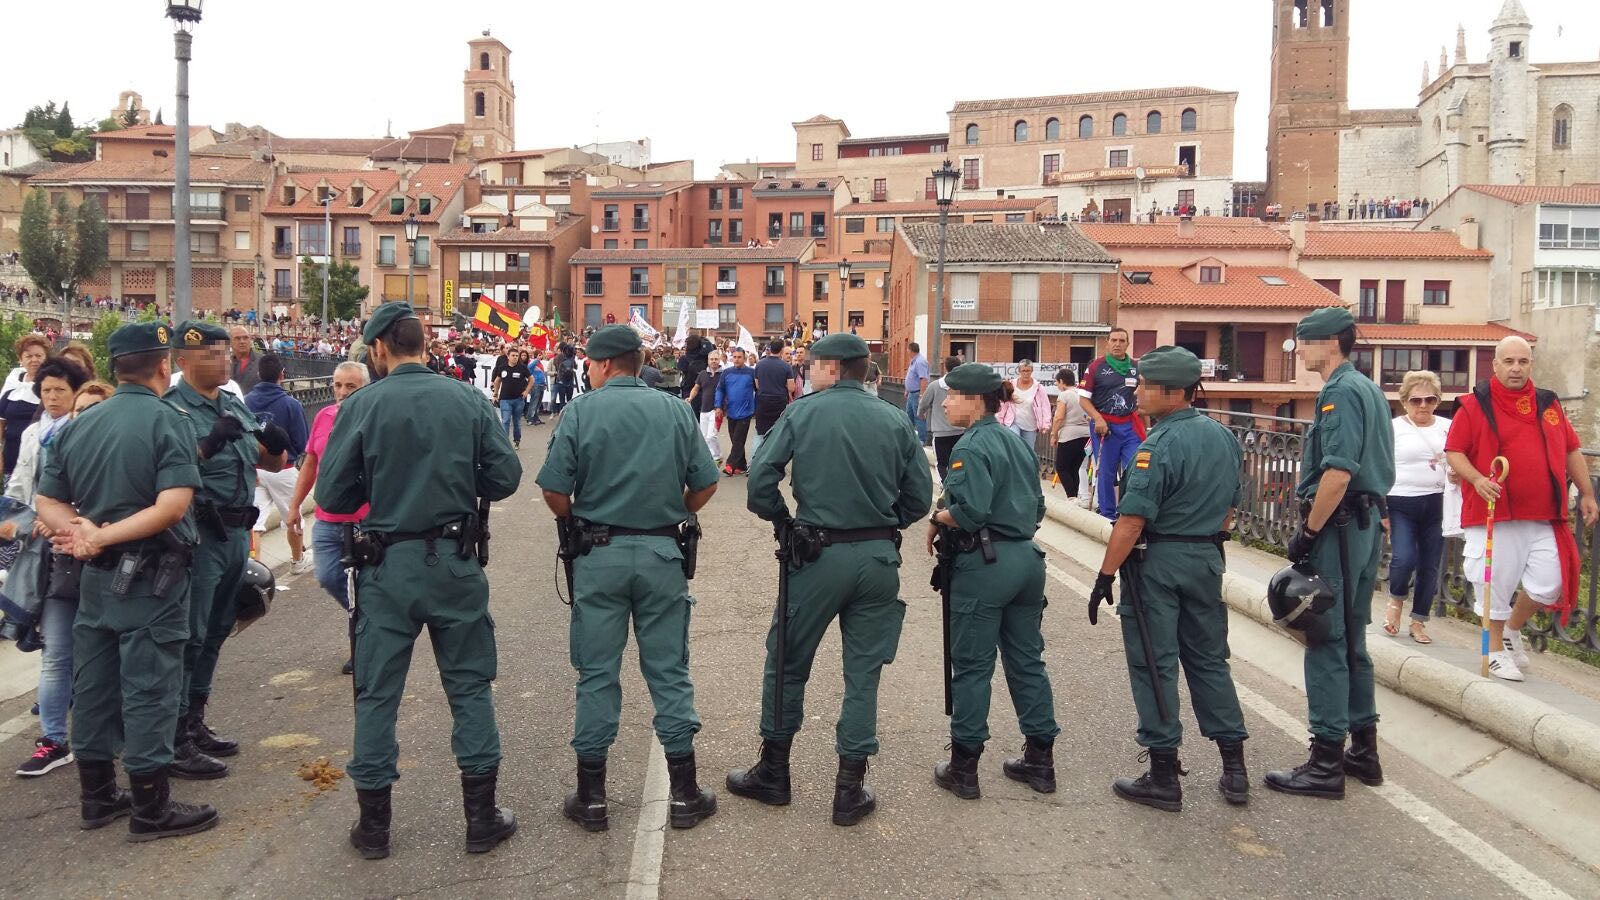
<point>1327,13</point>
<point>1119,125</point>
<point>972,134</point>
<point>1052,129</point>
<point>1019,132</point>
<point>1561,130</point>
<point>1152,123</point>
<point>1188,121</point>
<point>1300,13</point>
<point>1086,127</point>
<point>478,104</point>
<point>483,61</point>
<point>1516,50</point>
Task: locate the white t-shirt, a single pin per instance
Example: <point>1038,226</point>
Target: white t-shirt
<point>1419,465</point>
<point>1024,411</point>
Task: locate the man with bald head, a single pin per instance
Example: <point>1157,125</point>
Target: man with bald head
<point>1534,544</point>
<point>243,369</point>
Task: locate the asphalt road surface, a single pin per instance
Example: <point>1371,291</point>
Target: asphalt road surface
<point>280,693</point>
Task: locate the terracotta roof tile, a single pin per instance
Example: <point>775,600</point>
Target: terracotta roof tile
<point>1007,243</point>
<point>467,238</point>
<point>1168,93</point>
<point>378,184</point>
<point>783,250</point>
<point>642,189</point>
<point>1387,244</point>
<point>914,207</point>
<point>811,185</point>
<point>938,136</point>
<point>202,170</point>
<point>1170,286</point>
<point>422,148</point>
<point>1485,333</point>
<point>1206,234</point>
<point>522,154</point>
<point>441,181</point>
<point>161,133</point>
<point>1521,194</point>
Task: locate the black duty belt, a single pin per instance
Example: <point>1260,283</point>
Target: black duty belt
<point>109,557</point>
<point>237,516</point>
<point>1217,538</point>
<point>858,535</point>
<point>390,538</point>
<point>973,541</point>
<point>670,531</point>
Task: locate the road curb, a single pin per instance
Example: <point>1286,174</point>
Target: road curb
<point>1564,741</point>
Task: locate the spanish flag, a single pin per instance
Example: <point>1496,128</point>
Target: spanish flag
<point>496,319</point>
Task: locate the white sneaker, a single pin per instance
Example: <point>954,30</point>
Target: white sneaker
<point>1512,641</point>
<point>1501,665</point>
<point>302,565</point>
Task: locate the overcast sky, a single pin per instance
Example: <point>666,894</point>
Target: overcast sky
<point>712,80</point>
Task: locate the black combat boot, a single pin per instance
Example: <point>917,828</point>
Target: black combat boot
<point>487,824</point>
<point>688,804</point>
<point>587,805</point>
<point>852,802</point>
<point>1235,782</point>
<point>1036,768</point>
<point>188,762</point>
<point>1320,776</point>
<point>959,776</point>
<point>1361,760</point>
<point>103,802</point>
<point>768,779</point>
<point>1157,787</point>
<point>370,834</point>
<point>206,740</point>
<point>157,815</point>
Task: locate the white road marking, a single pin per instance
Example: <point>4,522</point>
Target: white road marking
<point>644,873</point>
<point>1474,848</point>
<point>1061,575</point>
<point>23,724</point>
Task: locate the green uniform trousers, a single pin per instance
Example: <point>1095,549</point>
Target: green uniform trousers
<point>999,605</point>
<point>395,601</point>
<point>639,576</point>
<point>1180,586</point>
<point>1339,700</point>
<point>213,607</point>
<point>127,667</point>
<point>859,584</point>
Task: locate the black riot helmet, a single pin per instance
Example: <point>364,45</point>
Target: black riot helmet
<point>1299,599</point>
<point>254,598</point>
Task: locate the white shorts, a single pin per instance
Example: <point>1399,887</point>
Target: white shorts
<point>275,489</point>
<point>708,430</point>
<point>1524,554</point>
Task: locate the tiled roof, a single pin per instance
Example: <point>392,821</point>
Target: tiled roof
<point>1520,193</point>
<point>439,181</point>
<point>202,170</point>
<point>783,250</point>
<point>268,142</point>
<point>1169,286</point>
<point>425,148</point>
<point>1486,333</point>
<point>522,154</point>
<point>1206,234</point>
<point>451,128</point>
<point>1007,243</point>
<point>939,136</point>
<point>818,119</point>
<point>508,235</point>
<point>1073,99</point>
<point>37,167</point>
<point>378,184</point>
<point>1387,244</point>
<point>914,207</point>
<point>161,133</point>
<point>642,189</point>
<point>798,185</point>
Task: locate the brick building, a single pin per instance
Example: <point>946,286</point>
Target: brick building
<point>866,227</point>
<point>861,306</point>
<point>295,227</point>
<point>437,195</point>
<point>518,259</point>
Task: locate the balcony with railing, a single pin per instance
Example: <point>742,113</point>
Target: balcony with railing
<point>386,257</point>
<point>774,232</point>
<point>350,248</point>
<point>641,223</point>
<point>206,211</point>
<point>610,224</point>
<point>594,288</point>
<point>283,251</point>
<point>638,289</point>
<point>819,231</point>
<point>282,292</point>
<point>727,288</point>
<point>776,289</point>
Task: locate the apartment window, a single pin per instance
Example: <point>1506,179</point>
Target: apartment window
<point>1569,229</point>
<point>774,225</point>
<point>610,244</point>
<point>422,252</point>
<point>1331,284</point>
<point>516,262</point>
<point>241,240</point>
<point>610,219</point>
<point>773,318</point>
<point>1188,120</point>
<point>1395,362</point>
<point>715,199</point>
<point>714,231</point>
<point>1085,297</point>
<point>1052,165</point>
<point>641,217</point>
<point>969,174</point>
<point>352,241</point>
<point>1024,297</point>
<point>964,297</point>
<point>1119,124</point>
<point>682,280</point>
<point>880,190</point>
<point>1117,159</point>
<point>280,284</point>
<point>727,280</point>
<point>1015,218</point>
<point>797,224</point>
<point>727,316</point>
<point>885,225</point>
<point>1367,308</point>
<point>819,225</point>
<point>858,281</point>
<point>593,282</point>
<point>138,242</point>
<point>313,239</point>
<point>591,315</point>
<point>1152,123</point>
<point>819,286</point>
<point>972,134</point>
<point>1436,293</point>
<point>241,203</point>
<point>735,231</point>
<point>1019,132</point>
<point>1186,200</point>
<point>816,152</point>
<point>1210,274</point>
<point>1052,129</point>
<point>929,192</point>
<point>204,242</point>
<point>775,281</point>
<point>641,243</point>
<point>386,250</point>
<point>1566,287</point>
<point>736,198</point>
<point>1561,125</point>
<point>639,281</point>
<point>397,205</point>
<point>855,226</point>
<point>425,206</point>
<point>1086,127</point>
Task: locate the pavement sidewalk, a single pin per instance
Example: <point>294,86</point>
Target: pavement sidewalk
<point>1554,715</point>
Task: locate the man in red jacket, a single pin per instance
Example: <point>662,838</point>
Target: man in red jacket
<point>1534,544</point>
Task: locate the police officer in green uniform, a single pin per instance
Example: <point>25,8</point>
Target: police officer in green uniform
<point>232,447</point>
<point>1346,470</point>
<point>421,450</point>
<point>622,499</point>
<point>1177,506</point>
<point>116,489</point>
<point>859,477</point>
<point>993,503</point>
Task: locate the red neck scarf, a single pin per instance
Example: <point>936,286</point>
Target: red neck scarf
<point>1512,404</point>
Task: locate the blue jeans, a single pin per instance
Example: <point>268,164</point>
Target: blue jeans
<point>534,399</point>
<point>55,667</point>
<point>1416,535</point>
<point>911,410</point>
<point>327,550</point>
<point>1113,454</point>
<point>511,417</point>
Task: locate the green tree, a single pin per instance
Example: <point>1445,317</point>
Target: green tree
<point>60,244</point>
<point>100,341</point>
<point>10,330</point>
<point>53,133</point>
<point>345,292</point>
<point>147,313</point>
<point>64,127</point>
<point>130,117</point>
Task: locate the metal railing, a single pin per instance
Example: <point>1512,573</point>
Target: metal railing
<point>283,251</point>
<point>282,292</point>
<point>775,290</point>
<point>594,288</point>
<point>610,224</point>
<point>638,288</point>
<point>350,249</point>
<point>641,223</point>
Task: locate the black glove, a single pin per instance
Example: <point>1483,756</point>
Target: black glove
<point>225,429</point>
<point>1100,594</point>
<point>1300,545</point>
<point>274,438</point>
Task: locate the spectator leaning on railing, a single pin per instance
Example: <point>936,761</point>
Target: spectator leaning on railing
<point>1416,504</point>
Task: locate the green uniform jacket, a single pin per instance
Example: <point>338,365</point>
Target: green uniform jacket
<point>624,452</point>
<point>229,478</point>
<point>113,460</point>
<point>413,416</point>
<point>1351,432</point>
<point>994,481</point>
<point>857,463</point>
<point>1184,478</point>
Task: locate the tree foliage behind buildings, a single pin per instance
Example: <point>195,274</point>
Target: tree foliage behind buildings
<point>60,243</point>
<point>53,133</point>
<point>12,328</point>
<point>345,292</point>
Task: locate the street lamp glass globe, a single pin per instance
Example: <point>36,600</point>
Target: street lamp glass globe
<point>844,271</point>
<point>184,13</point>
<point>412,227</point>
<point>944,183</point>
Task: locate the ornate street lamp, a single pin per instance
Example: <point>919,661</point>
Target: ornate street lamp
<point>944,191</point>
<point>844,282</point>
<point>184,15</point>
<point>412,227</point>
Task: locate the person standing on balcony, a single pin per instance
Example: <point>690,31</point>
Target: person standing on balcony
<point>1416,504</point>
<point>1108,386</point>
<point>1534,544</point>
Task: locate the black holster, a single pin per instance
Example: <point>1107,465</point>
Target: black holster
<point>482,543</point>
<point>209,517</point>
<point>689,543</point>
<point>172,563</point>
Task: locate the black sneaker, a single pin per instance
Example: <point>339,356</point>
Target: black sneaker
<point>48,756</point>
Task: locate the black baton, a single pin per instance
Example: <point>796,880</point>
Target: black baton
<point>1130,587</point>
<point>944,574</point>
<point>780,628</point>
<point>349,563</point>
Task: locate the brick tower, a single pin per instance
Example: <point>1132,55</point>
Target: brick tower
<point>489,98</point>
<point>1310,101</point>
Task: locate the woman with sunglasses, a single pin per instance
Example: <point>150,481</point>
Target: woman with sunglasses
<point>1416,504</point>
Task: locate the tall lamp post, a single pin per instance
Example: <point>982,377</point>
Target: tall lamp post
<point>844,282</point>
<point>261,289</point>
<point>184,14</point>
<point>66,309</point>
<point>412,227</point>
<point>944,190</point>
<point>327,254</point>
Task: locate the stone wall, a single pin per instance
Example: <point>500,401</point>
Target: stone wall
<point>1378,161</point>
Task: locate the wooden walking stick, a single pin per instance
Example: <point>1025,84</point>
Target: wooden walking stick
<point>1498,470</point>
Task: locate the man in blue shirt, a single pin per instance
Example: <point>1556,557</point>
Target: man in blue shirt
<point>775,386</point>
<point>736,397</point>
<point>916,382</point>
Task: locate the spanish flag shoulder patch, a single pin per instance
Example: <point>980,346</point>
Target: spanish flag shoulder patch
<point>957,464</point>
<point>1141,460</point>
<point>1328,408</point>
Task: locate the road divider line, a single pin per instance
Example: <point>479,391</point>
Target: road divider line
<point>644,872</point>
<point>1515,876</point>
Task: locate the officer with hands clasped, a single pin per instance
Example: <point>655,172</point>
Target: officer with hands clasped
<point>128,463</point>
<point>859,476</point>
<point>624,510</point>
<point>991,508</point>
<point>421,565</point>
<point>232,446</point>
<point>1346,471</point>
<point>1177,506</point>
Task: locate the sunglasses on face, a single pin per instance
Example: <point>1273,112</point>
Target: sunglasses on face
<point>1422,401</point>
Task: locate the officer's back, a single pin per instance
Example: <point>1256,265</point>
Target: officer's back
<point>1198,454</point>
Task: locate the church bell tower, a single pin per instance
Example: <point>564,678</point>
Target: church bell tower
<point>1310,102</point>
<point>489,98</point>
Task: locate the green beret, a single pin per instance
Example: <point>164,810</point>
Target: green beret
<point>140,337</point>
<point>1324,323</point>
<point>841,345</point>
<point>194,333</point>
<point>612,341</point>
<point>1169,367</point>
<point>385,316</point>
<point>973,378</point>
